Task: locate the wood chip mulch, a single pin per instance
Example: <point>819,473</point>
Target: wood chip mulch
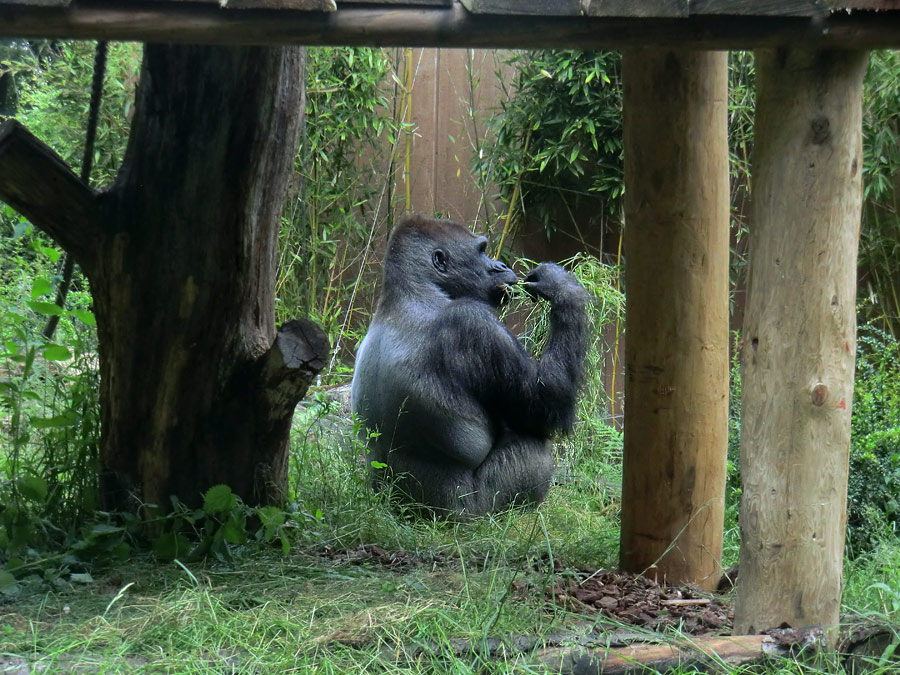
<point>627,598</point>
<point>399,561</point>
<point>638,601</point>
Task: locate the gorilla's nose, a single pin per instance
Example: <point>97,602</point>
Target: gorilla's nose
<point>499,268</point>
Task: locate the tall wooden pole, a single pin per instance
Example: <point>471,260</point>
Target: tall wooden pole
<point>798,345</point>
<point>676,281</point>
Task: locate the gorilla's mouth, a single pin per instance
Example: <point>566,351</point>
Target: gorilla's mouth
<point>503,293</point>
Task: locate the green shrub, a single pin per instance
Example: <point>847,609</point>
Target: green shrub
<point>558,139</point>
<point>873,499</point>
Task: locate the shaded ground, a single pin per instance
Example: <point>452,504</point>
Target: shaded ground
<point>626,598</point>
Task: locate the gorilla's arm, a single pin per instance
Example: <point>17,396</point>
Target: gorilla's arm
<point>529,395</point>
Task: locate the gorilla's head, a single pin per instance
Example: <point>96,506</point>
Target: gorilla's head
<point>446,256</point>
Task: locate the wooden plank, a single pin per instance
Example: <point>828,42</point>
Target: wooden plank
<point>36,3</point>
<point>292,5</point>
<point>440,3</point>
<point>760,7</point>
<point>636,8</point>
<point>876,5</point>
<point>537,7</point>
<point>684,8</point>
<point>454,26</point>
<point>296,5</point>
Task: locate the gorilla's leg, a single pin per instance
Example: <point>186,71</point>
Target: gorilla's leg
<point>518,472</point>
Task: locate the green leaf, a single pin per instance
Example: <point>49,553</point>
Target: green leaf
<point>66,419</point>
<point>7,581</point>
<point>81,578</point>
<point>270,516</point>
<point>40,286</point>
<point>85,316</point>
<point>378,465</point>
<point>219,499</point>
<point>100,529</point>
<point>51,253</point>
<point>21,228</point>
<point>56,352</point>
<point>234,531</point>
<point>45,308</point>
<point>33,487</point>
<point>171,545</point>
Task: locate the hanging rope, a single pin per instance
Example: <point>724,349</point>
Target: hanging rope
<point>87,163</point>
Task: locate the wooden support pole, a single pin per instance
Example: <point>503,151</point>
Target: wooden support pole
<point>676,279</point>
<point>798,345</point>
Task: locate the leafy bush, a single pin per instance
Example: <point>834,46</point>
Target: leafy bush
<point>49,410</point>
<point>873,500</point>
<point>558,140</point>
<point>880,234</point>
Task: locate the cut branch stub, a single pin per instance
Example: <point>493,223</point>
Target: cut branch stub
<point>36,182</point>
<point>298,354</point>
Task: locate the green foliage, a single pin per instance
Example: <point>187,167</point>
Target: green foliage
<point>591,455</point>
<point>327,218</point>
<point>53,91</point>
<point>558,142</point>
<point>873,504</point>
<point>49,437</point>
<point>733,489</point>
<point>880,234</point>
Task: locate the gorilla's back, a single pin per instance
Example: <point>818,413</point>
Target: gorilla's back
<point>392,394</point>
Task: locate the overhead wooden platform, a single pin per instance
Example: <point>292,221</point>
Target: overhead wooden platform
<point>701,24</point>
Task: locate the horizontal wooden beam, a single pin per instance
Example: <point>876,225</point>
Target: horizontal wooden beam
<point>360,25</point>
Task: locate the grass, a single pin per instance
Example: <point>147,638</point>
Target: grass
<point>335,605</point>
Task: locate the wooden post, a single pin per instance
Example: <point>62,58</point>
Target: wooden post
<point>676,279</point>
<point>798,345</point>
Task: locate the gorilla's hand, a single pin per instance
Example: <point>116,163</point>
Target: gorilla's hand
<point>553,283</point>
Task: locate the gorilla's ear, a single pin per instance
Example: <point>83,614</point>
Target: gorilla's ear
<point>439,260</point>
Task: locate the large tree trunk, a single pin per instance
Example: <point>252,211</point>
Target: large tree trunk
<point>180,253</point>
<point>676,279</point>
<point>799,337</point>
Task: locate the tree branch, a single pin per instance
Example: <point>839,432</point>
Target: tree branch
<point>299,353</point>
<point>36,182</point>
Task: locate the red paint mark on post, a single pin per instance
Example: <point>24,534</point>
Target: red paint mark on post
<point>842,404</point>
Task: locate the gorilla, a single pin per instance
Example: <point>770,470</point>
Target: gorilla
<point>453,404</point>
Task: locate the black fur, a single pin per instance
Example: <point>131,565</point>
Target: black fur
<point>464,414</point>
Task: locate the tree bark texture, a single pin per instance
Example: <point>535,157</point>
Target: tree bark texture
<point>798,345</point>
<point>197,388</point>
<point>676,279</point>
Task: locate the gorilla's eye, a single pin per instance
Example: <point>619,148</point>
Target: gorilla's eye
<point>439,260</point>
